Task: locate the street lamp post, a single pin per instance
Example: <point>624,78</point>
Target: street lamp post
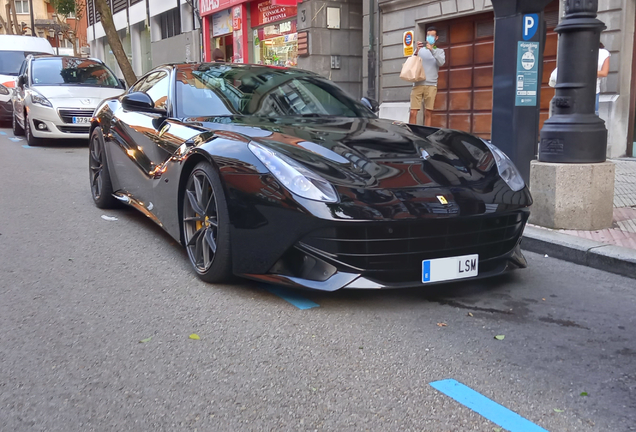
<point>572,184</point>
<point>574,133</point>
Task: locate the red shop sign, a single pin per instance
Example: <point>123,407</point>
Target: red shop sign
<point>265,12</point>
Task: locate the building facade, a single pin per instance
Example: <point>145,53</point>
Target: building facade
<point>466,31</point>
<point>66,34</point>
<point>317,35</point>
<point>153,32</point>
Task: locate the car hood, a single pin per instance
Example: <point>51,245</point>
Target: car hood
<point>371,153</point>
<point>77,96</point>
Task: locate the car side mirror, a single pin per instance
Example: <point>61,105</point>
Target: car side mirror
<point>140,101</point>
<point>371,104</point>
<point>21,80</point>
<point>122,83</point>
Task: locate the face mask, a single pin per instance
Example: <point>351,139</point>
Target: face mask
<point>430,40</point>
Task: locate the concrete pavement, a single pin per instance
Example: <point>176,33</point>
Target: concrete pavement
<point>78,293</point>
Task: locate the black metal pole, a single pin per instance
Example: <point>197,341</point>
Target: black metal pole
<point>371,53</point>
<point>574,133</point>
<point>32,19</point>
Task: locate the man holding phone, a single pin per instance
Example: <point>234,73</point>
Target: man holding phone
<point>425,91</point>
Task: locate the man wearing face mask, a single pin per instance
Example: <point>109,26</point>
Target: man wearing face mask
<point>425,91</point>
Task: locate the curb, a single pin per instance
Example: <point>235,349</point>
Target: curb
<point>602,256</point>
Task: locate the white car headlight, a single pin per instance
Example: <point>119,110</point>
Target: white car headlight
<point>507,170</point>
<point>298,179</point>
<point>41,100</point>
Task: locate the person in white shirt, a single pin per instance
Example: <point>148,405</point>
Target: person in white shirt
<point>603,70</point>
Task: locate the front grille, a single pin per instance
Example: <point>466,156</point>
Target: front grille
<point>67,114</point>
<point>394,251</point>
<point>74,129</point>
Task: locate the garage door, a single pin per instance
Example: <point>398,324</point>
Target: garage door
<point>464,97</point>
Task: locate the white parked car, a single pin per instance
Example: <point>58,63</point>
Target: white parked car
<point>55,96</point>
<point>13,50</point>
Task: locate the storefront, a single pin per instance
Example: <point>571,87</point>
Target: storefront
<point>224,28</point>
<point>268,37</point>
<point>274,34</point>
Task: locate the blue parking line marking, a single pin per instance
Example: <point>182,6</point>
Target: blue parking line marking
<point>292,297</point>
<point>26,146</point>
<point>2,133</point>
<point>14,139</point>
<point>485,407</point>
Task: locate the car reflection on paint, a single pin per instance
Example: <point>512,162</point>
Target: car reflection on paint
<point>277,175</point>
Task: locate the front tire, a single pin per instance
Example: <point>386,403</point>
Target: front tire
<point>205,224</point>
<point>101,186</point>
<point>31,140</point>
<point>17,129</point>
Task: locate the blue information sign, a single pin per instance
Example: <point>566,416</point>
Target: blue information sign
<point>527,73</point>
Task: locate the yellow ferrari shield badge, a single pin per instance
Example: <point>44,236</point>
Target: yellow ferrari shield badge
<point>442,199</point>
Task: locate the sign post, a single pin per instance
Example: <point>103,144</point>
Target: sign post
<point>519,29</point>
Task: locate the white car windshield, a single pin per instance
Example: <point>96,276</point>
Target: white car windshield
<point>72,71</point>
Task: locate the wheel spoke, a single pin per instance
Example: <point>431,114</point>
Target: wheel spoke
<point>212,221</point>
<point>194,219</point>
<point>99,186</point>
<point>198,248</point>
<point>195,237</point>
<point>194,204</point>
<point>210,207</point>
<point>205,248</point>
<point>198,190</point>
<point>209,237</point>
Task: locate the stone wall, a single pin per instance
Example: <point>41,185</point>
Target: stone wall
<point>324,43</point>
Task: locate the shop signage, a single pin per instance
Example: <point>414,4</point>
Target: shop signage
<point>222,23</point>
<point>265,12</point>
<point>277,30</point>
<point>237,12</point>
<point>207,6</point>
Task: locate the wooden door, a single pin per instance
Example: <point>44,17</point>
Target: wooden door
<point>464,88</point>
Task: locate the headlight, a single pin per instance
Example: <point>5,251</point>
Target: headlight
<point>507,170</point>
<point>3,90</point>
<point>293,176</point>
<point>41,100</point>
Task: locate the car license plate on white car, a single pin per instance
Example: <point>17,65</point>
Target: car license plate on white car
<point>444,269</point>
<point>81,119</point>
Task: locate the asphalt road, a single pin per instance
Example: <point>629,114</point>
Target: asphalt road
<point>78,293</point>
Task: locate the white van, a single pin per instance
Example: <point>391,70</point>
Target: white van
<point>13,50</point>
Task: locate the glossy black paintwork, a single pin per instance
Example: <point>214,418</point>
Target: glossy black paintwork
<point>382,171</point>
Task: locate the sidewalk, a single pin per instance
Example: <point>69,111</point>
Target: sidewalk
<point>623,230</point>
<point>612,249</point>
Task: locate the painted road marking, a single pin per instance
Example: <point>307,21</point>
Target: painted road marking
<point>26,146</point>
<point>485,407</point>
<point>2,133</point>
<point>14,139</point>
<point>291,296</point>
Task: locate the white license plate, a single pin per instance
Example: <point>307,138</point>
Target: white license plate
<point>81,119</point>
<point>444,269</point>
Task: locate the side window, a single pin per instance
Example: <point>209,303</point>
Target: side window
<point>157,88</point>
<point>138,85</point>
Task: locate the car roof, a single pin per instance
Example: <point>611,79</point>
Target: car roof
<point>25,44</point>
<point>255,68</point>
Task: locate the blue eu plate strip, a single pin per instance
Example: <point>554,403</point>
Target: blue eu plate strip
<point>483,406</point>
<point>426,271</point>
<point>292,297</point>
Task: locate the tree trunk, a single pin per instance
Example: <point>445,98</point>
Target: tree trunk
<point>115,43</point>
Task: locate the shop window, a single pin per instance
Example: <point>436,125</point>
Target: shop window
<point>277,44</point>
<point>170,23</point>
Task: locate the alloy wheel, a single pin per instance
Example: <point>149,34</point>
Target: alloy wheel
<point>200,220</point>
<point>96,167</point>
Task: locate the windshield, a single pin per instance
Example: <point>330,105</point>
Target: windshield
<point>72,71</point>
<point>221,90</point>
<point>10,61</point>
